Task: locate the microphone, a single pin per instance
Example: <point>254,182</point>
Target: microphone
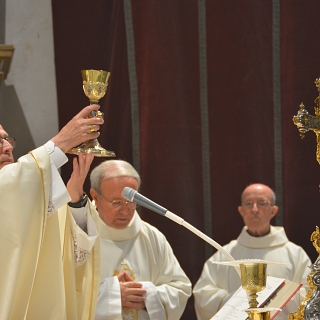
<point>133,196</point>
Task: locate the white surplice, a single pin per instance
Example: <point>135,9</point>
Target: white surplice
<point>143,251</point>
<point>217,281</point>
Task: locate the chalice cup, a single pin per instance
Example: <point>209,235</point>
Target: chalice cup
<point>95,84</point>
<point>253,280</point>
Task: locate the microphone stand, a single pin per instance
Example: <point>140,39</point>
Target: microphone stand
<point>133,196</point>
<point>200,234</point>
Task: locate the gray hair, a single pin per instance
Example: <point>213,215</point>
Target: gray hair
<point>273,198</point>
<point>112,169</point>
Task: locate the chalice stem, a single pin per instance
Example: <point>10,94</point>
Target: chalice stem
<point>253,303</point>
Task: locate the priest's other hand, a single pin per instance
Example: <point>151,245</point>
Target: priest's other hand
<point>81,166</point>
<point>80,128</point>
<point>132,293</point>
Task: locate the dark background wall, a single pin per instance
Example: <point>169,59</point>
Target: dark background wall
<point>206,101</point>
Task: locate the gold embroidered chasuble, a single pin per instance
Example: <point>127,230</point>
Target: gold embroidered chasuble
<point>38,276</point>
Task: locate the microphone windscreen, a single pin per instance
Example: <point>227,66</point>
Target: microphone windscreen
<point>132,195</point>
<point>128,193</point>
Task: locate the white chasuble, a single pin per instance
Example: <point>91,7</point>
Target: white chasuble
<point>38,276</point>
<point>144,253</point>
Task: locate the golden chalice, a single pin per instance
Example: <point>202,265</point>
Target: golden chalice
<point>253,276</point>
<point>95,84</point>
<point>253,280</point>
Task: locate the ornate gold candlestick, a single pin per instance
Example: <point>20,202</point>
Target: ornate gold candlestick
<point>305,122</point>
<point>95,83</point>
<point>310,306</point>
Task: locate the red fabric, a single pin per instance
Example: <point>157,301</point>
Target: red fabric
<point>240,102</point>
<point>299,70</point>
<point>239,43</point>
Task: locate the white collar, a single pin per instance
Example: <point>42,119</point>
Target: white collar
<point>130,231</point>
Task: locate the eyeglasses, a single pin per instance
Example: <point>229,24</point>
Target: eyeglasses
<point>119,204</point>
<point>11,140</point>
<point>261,204</point>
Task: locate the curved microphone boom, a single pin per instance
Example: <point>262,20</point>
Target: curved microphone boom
<point>133,196</point>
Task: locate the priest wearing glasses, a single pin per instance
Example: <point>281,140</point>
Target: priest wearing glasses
<point>140,275</point>
<point>257,240</point>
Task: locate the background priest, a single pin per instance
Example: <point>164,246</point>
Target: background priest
<point>257,240</point>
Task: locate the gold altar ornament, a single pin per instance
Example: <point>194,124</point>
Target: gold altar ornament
<point>305,122</point>
<point>310,306</point>
<point>95,84</point>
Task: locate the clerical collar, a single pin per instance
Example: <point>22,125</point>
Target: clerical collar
<point>109,233</point>
<point>275,237</point>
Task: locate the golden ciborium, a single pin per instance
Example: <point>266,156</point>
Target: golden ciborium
<point>95,84</point>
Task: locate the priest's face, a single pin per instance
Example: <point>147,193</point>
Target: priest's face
<point>113,209</point>
<point>6,156</point>
<point>257,209</point>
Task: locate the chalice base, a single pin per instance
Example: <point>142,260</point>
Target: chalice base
<point>92,146</point>
<point>258,314</point>
<point>295,316</point>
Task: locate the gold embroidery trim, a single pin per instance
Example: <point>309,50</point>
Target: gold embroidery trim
<point>80,255</point>
<point>44,215</point>
<point>92,285</point>
<point>44,194</point>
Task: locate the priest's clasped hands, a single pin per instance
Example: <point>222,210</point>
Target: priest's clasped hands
<point>132,293</point>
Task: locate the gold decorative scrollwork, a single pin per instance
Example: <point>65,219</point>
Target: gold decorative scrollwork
<point>305,122</point>
<point>6,54</point>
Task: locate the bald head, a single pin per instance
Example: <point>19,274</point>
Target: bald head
<point>258,208</point>
<point>259,187</point>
